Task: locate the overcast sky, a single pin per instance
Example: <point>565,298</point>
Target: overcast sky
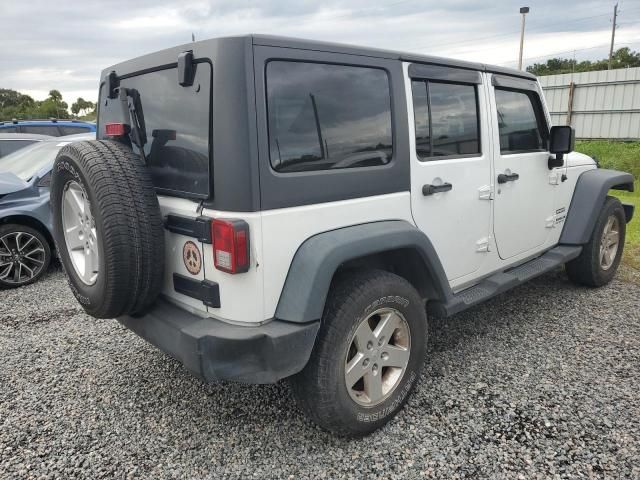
<point>64,44</point>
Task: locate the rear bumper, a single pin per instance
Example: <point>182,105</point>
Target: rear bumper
<point>214,350</point>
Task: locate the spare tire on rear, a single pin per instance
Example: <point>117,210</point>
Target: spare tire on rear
<point>107,227</point>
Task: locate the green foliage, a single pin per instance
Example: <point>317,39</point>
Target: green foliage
<point>17,105</point>
<point>622,58</point>
<point>82,106</point>
<point>623,156</point>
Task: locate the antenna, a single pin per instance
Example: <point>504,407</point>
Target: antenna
<point>193,37</point>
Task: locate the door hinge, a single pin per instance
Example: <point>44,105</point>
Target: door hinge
<point>550,222</point>
<point>554,178</point>
<point>482,245</point>
<point>485,192</point>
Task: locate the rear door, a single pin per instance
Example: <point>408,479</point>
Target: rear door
<point>524,199</point>
<point>451,165</point>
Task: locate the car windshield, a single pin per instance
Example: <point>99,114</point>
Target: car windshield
<point>27,161</point>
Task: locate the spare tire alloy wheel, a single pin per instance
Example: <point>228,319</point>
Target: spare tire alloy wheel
<point>378,357</point>
<point>80,234</point>
<point>24,256</point>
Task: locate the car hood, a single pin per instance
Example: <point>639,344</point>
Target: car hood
<point>11,183</point>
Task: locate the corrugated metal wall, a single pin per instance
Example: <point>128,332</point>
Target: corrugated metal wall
<point>606,103</point>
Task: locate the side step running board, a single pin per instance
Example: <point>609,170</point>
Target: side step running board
<point>501,282</point>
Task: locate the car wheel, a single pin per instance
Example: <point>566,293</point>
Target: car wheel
<point>600,258</point>
<point>368,355</point>
<point>25,255</point>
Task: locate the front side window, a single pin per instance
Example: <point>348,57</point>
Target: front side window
<point>446,119</point>
<point>519,122</point>
<point>41,130</point>
<point>324,116</point>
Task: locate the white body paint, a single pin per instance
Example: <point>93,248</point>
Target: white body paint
<point>473,236</point>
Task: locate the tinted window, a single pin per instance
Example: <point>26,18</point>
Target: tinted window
<point>325,116</point>
<point>446,119</point>
<point>9,130</point>
<point>518,122</point>
<point>10,146</point>
<point>41,129</point>
<point>178,128</point>
<point>68,130</point>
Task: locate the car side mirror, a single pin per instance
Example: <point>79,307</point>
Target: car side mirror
<point>562,139</point>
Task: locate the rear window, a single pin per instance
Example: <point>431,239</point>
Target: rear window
<point>41,129</point>
<point>324,116</point>
<point>69,130</point>
<point>178,128</point>
<point>10,146</point>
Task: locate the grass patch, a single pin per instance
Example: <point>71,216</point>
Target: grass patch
<point>623,156</point>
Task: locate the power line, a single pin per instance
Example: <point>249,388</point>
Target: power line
<point>573,50</point>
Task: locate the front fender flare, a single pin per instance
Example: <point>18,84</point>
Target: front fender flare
<point>316,261</point>
<point>588,197</point>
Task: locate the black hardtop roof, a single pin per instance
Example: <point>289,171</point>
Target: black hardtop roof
<point>288,42</point>
<point>146,61</point>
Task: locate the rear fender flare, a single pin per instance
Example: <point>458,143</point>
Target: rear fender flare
<point>319,257</point>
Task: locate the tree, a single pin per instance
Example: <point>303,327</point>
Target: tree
<point>82,106</point>
<point>622,58</point>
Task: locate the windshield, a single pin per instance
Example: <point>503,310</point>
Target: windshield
<point>26,162</point>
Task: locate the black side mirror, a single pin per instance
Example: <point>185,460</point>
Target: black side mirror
<point>562,139</point>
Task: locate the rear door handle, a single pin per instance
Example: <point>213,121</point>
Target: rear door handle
<point>431,189</point>
<point>504,178</point>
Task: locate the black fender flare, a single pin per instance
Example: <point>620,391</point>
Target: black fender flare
<point>588,197</point>
<point>317,259</point>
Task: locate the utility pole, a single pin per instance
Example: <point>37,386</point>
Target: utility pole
<point>523,11</point>
<point>613,32</point>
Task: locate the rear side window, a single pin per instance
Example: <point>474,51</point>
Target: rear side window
<point>520,122</point>
<point>9,130</point>
<point>325,116</point>
<point>68,130</point>
<point>446,119</point>
<point>178,128</point>
<point>10,146</point>
<point>41,129</point>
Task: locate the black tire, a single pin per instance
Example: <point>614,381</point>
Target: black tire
<point>127,221</point>
<point>38,260</point>
<point>320,388</point>
<point>587,268</point>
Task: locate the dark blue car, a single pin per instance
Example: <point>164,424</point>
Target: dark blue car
<point>55,128</point>
<point>26,243</point>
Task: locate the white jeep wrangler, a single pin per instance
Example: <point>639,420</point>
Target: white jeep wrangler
<point>262,208</point>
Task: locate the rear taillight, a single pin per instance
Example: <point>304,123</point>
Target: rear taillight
<point>230,245</point>
<point>115,129</point>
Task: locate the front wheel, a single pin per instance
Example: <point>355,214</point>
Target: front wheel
<point>24,255</point>
<point>368,355</point>
<point>600,258</point>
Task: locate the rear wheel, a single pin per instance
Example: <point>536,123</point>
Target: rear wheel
<point>24,255</point>
<point>600,258</point>
<point>368,355</point>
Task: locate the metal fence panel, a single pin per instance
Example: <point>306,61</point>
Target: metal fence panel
<point>605,104</point>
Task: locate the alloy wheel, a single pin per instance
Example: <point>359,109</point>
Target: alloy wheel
<point>609,243</point>
<point>22,257</point>
<point>378,356</point>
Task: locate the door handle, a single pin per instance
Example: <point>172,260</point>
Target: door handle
<point>431,189</point>
<point>504,178</point>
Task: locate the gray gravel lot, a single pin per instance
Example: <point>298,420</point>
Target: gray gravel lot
<point>541,382</point>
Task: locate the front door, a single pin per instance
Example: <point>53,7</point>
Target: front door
<point>451,169</point>
<point>524,197</point>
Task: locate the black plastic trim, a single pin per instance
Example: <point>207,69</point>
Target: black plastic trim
<point>215,350</point>
<point>316,261</point>
<point>446,74</point>
<point>589,195</point>
<point>205,290</point>
<point>199,227</point>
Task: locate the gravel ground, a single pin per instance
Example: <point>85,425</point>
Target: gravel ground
<point>541,382</point>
